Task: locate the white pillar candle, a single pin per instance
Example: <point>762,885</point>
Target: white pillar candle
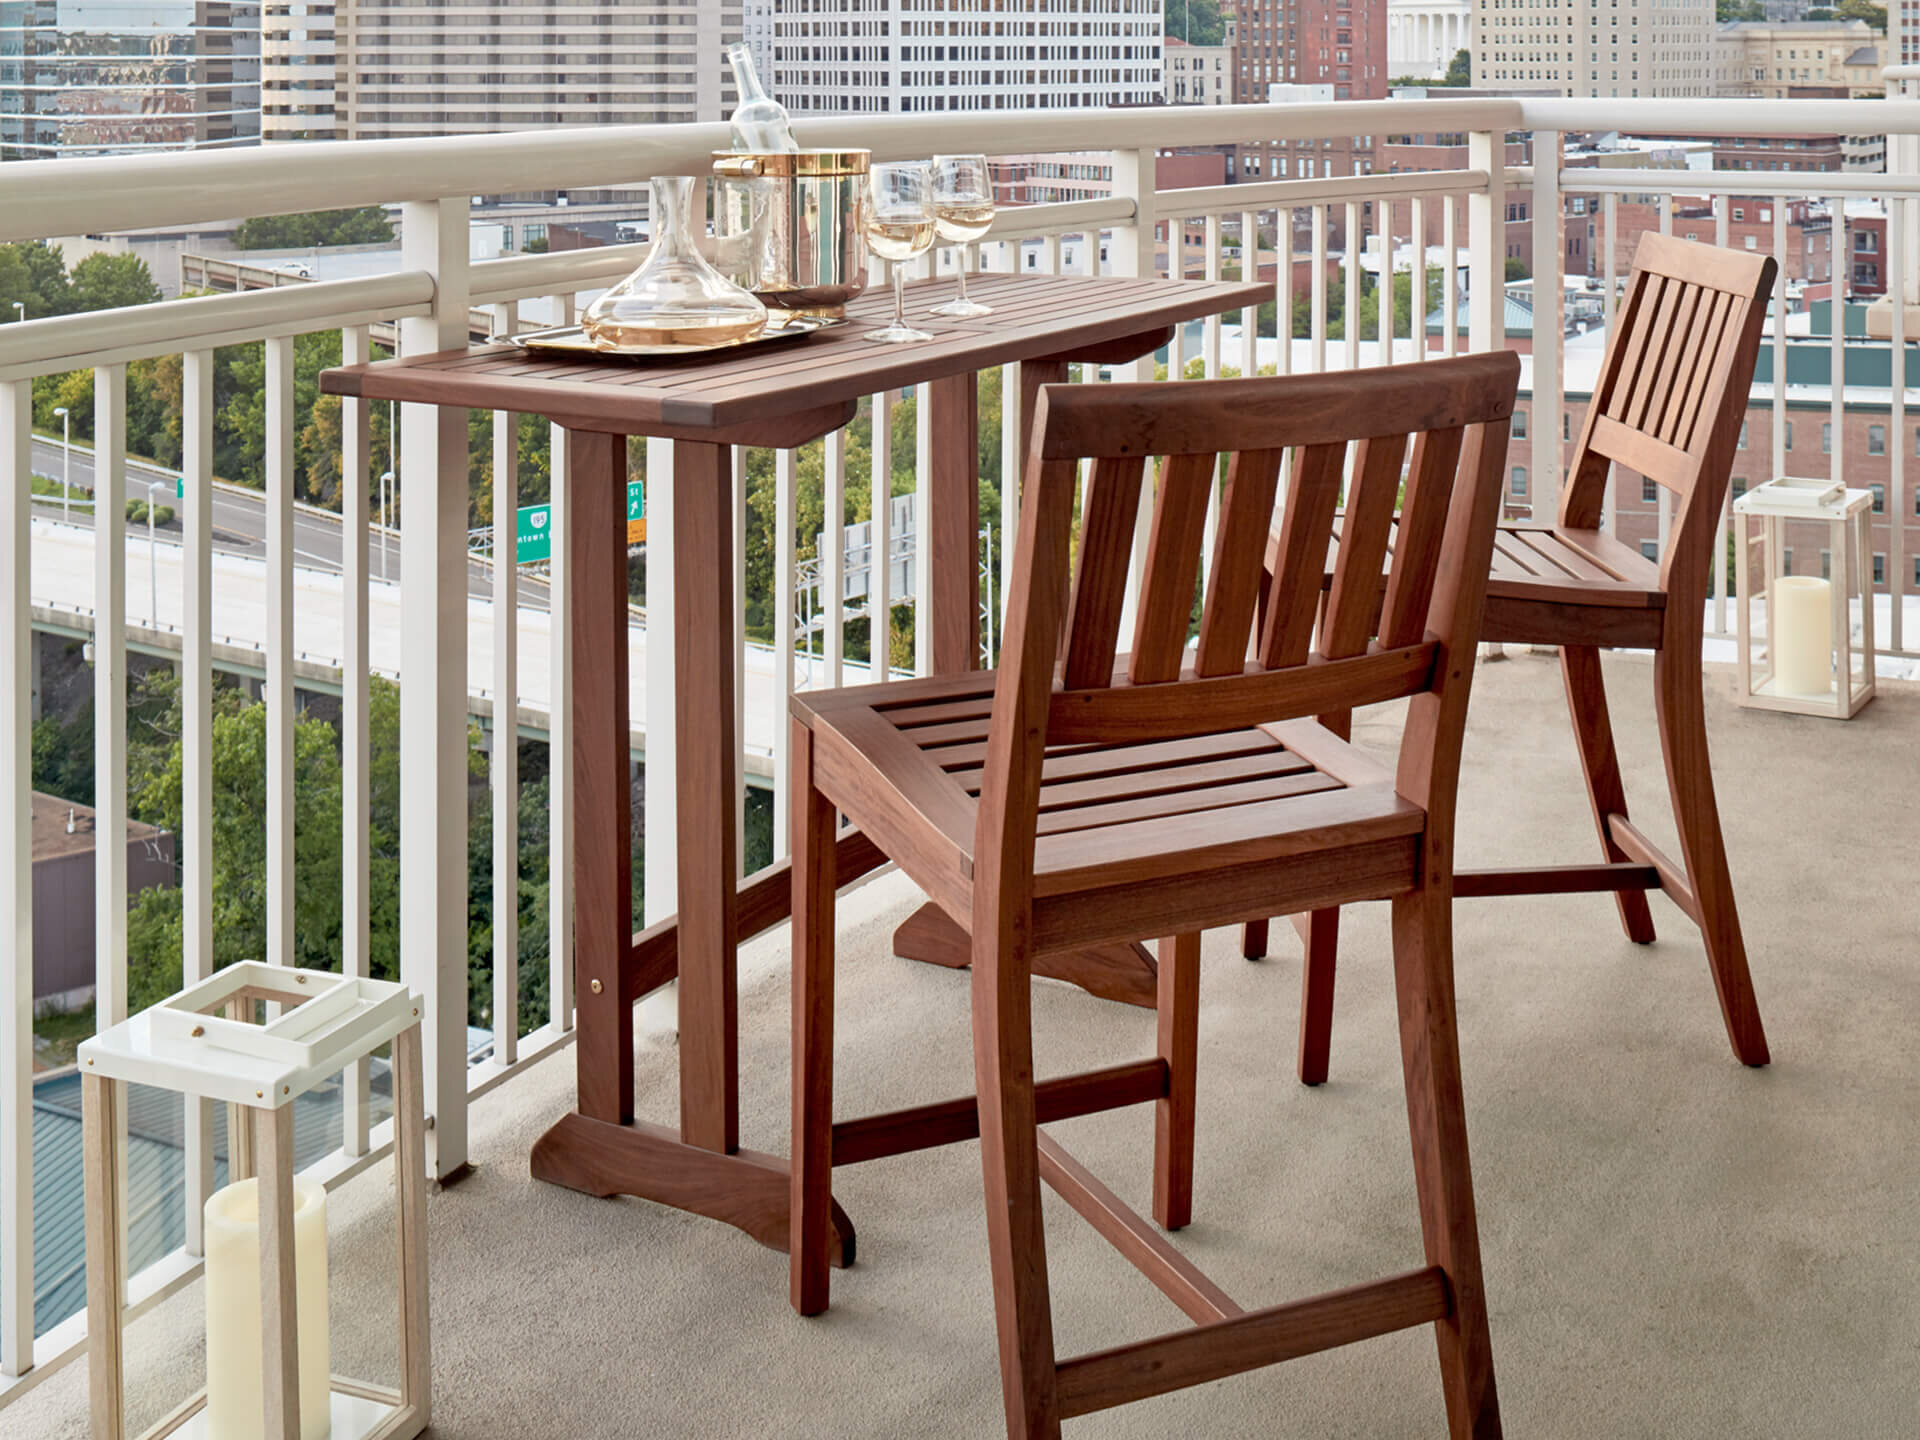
<point>1802,625</point>
<point>235,1400</point>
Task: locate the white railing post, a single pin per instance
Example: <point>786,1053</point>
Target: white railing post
<point>660,819</point>
<point>1549,322</point>
<point>16,883</point>
<point>196,743</point>
<point>433,691</point>
<point>1487,243</point>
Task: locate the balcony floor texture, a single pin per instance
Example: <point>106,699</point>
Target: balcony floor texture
<point>1675,1245</point>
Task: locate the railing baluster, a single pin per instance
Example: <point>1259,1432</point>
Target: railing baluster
<point>110,694</point>
<point>196,745</point>
<point>880,576</point>
<point>560,797</point>
<point>356,687</point>
<point>1721,207</point>
<point>785,483</point>
<point>1250,316</point>
<point>833,564</point>
<point>1898,511</point>
<point>1317,283</point>
<point>504,773</point>
<point>739,468</point>
<point>1384,292</point>
<point>1549,323</point>
<point>1840,256</point>
<point>1350,266</point>
<point>16,883</point>
<point>1610,505</point>
<point>1417,280</point>
<point>1283,290</point>
<point>660,818</point>
<point>1450,282</point>
<point>279,685</point>
<point>1663,497</point>
<point>1210,334</point>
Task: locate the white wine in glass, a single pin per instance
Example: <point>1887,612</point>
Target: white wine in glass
<point>963,213</point>
<point>898,222</point>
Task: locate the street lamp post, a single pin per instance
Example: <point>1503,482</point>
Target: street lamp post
<point>386,490</point>
<point>19,310</point>
<point>154,487</point>
<point>66,464</point>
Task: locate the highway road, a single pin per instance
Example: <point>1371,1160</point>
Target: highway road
<point>240,522</point>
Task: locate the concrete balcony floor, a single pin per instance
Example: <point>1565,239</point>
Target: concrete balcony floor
<point>1675,1246</point>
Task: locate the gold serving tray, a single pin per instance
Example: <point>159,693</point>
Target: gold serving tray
<point>571,341</point>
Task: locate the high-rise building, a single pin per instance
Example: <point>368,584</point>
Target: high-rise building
<point>1661,48</point>
<point>913,56</point>
<point>419,67</point>
<point>119,77</point>
<point>298,49</point>
<point>1310,50</point>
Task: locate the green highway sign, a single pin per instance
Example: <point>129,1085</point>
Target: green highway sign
<point>533,539</point>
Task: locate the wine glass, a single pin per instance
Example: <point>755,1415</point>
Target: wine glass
<point>962,213</point>
<point>898,221</point>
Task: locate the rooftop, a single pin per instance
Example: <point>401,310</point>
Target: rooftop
<point>1738,1242</point>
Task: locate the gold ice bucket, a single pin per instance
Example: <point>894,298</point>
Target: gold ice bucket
<point>787,226</point>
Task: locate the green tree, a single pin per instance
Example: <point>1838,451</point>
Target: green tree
<point>1460,70</point>
<point>112,282</point>
<point>1734,10</point>
<point>34,273</point>
<point>1198,22</point>
<point>1517,269</point>
<point>367,225</point>
<point>1874,15</point>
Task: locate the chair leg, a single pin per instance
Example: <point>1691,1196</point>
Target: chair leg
<point>811,1195</point>
<point>1173,1114</point>
<point>1010,1164</point>
<point>1681,709</point>
<point>1322,939</point>
<point>1253,939</point>
<point>1593,732</point>
<point>1436,1119</point>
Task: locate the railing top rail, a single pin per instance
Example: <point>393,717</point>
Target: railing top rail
<point>1790,184</point>
<point>77,197</point>
<point>1708,117</point>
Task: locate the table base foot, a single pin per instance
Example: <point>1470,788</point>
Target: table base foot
<point>1125,973</point>
<point>747,1190</point>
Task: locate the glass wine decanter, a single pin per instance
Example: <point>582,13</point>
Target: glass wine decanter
<point>675,297</point>
<point>759,121</point>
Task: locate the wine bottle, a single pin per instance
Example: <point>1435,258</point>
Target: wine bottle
<point>759,121</point>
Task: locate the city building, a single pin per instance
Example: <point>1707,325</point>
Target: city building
<point>895,56</point>
<point>87,77</point>
<point>1423,36</point>
<point>1337,44</point>
<point>1660,48</point>
<point>1842,59</point>
<point>298,53</point>
<point>1198,74</point>
<point>756,18</point>
<point>416,68</point>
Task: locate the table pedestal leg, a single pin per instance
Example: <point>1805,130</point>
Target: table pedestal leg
<point>1114,972</point>
<point>600,1149</point>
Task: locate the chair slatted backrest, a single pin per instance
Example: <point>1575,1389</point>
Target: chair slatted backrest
<point>1428,447</point>
<point>1673,391</point>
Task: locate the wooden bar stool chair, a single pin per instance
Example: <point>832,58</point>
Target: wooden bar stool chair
<point>1078,797</point>
<point>1669,406</point>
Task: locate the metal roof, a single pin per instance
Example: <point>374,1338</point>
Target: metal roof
<point>156,1179</point>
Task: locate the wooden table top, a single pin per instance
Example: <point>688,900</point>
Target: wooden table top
<point>801,385</point>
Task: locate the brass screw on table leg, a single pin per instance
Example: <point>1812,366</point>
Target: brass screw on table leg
<point>596,987</point>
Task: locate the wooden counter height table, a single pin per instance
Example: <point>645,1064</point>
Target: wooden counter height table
<point>775,395</point>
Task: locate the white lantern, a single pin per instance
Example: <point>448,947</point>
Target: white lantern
<point>1804,656</point>
<point>268,1372</point>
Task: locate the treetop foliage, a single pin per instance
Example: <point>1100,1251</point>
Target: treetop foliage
<point>367,225</point>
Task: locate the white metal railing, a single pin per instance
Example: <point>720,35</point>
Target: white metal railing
<point>431,296</point>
